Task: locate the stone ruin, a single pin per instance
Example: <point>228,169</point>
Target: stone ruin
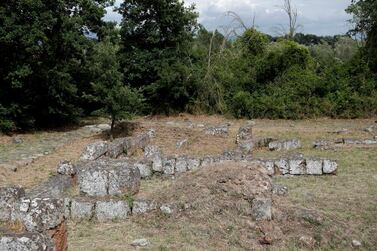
<point>107,176</point>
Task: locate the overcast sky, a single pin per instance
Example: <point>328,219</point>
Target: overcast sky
<point>321,17</point>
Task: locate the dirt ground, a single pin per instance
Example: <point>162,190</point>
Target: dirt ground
<point>347,202</point>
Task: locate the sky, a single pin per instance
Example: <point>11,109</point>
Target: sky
<point>320,17</point>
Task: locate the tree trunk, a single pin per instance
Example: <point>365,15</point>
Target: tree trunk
<point>112,128</point>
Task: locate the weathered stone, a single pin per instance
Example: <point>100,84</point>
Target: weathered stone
<point>166,209</point>
<point>232,155</point>
<point>66,168</point>
<point>154,154</point>
<point>371,128</point>
<point>246,147</point>
<point>143,206</point>
<point>39,214</point>
<point>270,167</point>
<point>181,165</point>
<point>55,187</point>
<point>82,209</point>
<point>67,207</point>
<point>193,164</point>
<point>168,166</point>
<point>138,142</point>
<point>8,199</point>
<point>222,130</point>
<point>263,142</point>
<point>94,151</point>
<point>284,145</point>
<point>245,133</point>
<point>370,142</point>
<point>145,168</point>
<point>124,180</point>
<point>182,143</point>
<point>356,243</point>
<point>117,147</point>
<point>323,144</point>
<point>352,142</point>
<point>26,242</point>
<point>109,177</point>
<point>297,166</point>
<point>111,210</point>
<point>140,243</point>
<point>151,133</point>
<point>207,161</point>
<point>314,166</point>
<point>329,166</point>
<point>93,181</point>
<point>279,190</point>
<point>262,209</point>
<point>282,165</point>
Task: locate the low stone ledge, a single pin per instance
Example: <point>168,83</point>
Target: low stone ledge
<point>284,145</point>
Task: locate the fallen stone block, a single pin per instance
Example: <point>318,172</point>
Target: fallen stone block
<point>153,153</point>
<point>8,199</point>
<point>245,133</point>
<point>124,180</point>
<point>111,210</point>
<point>55,187</point>
<point>140,243</point>
<point>329,166</point>
<point>168,166</point>
<point>66,168</point>
<point>282,166</point>
<point>284,145</point>
<point>82,209</point>
<point>222,130</point>
<point>109,177</point>
<point>117,147</point>
<point>270,166</point>
<point>26,242</point>
<point>39,215</point>
<point>145,168</point>
<point>94,151</point>
<point>143,207</point>
<point>193,164</point>
<point>93,181</point>
<point>314,166</point>
<point>207,161</point>
<point>263,142</point>
<point>181,165</point>
<point>323,145</point>
<point>297,166</point>
<point>138,142</point>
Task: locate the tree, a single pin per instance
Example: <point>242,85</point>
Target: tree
<point>43,46</point>
<point>365,19</point>
<point>292,14</point>
<point>155,51</point>
<point>117,100</point>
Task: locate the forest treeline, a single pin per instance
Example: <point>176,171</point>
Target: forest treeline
<point>60,61</point>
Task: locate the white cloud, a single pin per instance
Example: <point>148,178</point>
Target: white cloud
<point>322,17</point>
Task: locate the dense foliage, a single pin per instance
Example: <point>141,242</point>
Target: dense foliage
<point>60,61</point>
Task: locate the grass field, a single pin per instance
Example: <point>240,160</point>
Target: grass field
<point>347,201</point>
